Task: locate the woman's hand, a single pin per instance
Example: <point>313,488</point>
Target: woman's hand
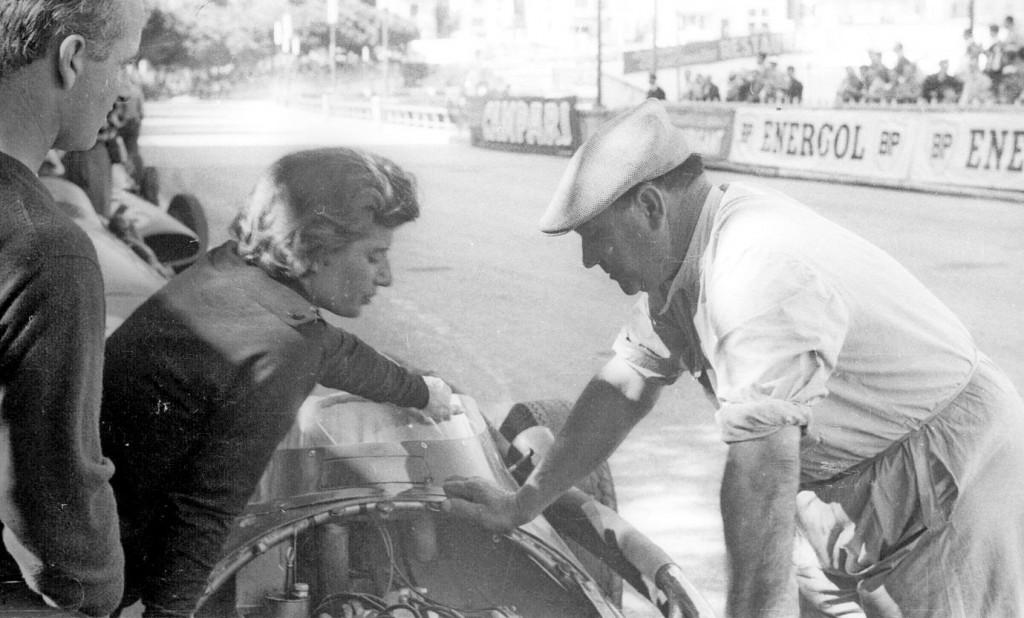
<point>440,407</point>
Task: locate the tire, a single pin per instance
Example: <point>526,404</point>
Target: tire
<point>187,209</point>
<point>149,185</point>
<point>552,413</point>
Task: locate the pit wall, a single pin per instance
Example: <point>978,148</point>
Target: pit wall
<point>945,149</point>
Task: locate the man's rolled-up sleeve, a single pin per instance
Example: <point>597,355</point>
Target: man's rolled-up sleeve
<point>777,331</point>
<point>747,421</point>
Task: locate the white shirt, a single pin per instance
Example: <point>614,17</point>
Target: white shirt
<point>797,321</point>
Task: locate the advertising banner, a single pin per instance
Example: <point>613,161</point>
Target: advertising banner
<point>706,130</point>
<point>972,149</point>
<point>703,52</point>
<point>527,124</point>
<point>866,144</point>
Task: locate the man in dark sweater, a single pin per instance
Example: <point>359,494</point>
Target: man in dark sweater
<point>60,65</point>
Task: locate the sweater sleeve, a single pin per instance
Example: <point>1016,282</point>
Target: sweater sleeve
<point>355,367</point>
<point>56,503</point>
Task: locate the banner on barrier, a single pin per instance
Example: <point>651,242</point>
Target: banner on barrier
<point>705,130</point>
<point>852,143</point>
<point>703,52</point>
<point>528,124</point>
<point>972,149</point>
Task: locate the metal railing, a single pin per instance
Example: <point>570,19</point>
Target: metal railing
<point>376,109</point>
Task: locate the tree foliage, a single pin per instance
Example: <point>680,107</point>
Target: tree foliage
<point>209,33</point>
<point>360,26</point>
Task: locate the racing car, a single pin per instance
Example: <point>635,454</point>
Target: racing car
<point>347,519</point>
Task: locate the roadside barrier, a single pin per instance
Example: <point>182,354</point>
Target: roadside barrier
<point>974,150</point>
<point>376,109</point>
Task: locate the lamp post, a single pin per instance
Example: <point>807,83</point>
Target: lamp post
<point>598,104</point>
<point>332,47</point>
<point>386,54</point>
<point>654,40</point>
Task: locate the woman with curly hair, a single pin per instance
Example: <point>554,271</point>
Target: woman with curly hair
<point>204,379</point>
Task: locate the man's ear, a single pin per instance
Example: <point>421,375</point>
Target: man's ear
<point>70,60</point>
<point>650,200</point>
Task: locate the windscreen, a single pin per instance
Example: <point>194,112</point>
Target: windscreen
<point>331,418</point>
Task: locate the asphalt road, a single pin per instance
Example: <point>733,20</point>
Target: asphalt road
<point>508,314</point>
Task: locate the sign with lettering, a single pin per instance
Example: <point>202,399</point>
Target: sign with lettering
<point>853,143</point>
<point>706,130</point>
<point>527,124</point>
<point>973,149</point>
<point>703,52</point>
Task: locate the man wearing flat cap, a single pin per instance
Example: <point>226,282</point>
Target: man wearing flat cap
<point>875,454</point>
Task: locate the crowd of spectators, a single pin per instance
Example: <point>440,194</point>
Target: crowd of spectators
<point>986,74</point>
<point>699,87</point>
<point>992,74</point>
<point>765,83</point>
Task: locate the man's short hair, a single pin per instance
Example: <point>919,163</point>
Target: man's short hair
<point>29,27</point>
<point>312,203</point>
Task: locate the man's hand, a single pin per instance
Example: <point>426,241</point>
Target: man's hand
<point>482,502</point>
<point>678,602</point>
<point>440,407</point>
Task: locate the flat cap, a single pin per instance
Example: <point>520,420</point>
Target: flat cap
<point>631,148</point>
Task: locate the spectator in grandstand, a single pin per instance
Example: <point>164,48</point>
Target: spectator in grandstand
<point>775,83</point>
<point>711,92</point>
<point>655,91</point>
<point>977,88</point>
<point>878,84</point>
<point>794,87</point>
<point>972,53</point>
<point>1013,41</point>
<point>738,87</point>
<point>903,65</point>
<point>758,79</point>
<point>697,85</point>
<point>906,84</point>
<point>941,87</point>
<point>865,75</point>
<point>1012,79</point>
<point>994,58</point>
<point>851,89</point>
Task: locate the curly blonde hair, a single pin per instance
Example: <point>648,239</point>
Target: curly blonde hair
<point>314,202</point>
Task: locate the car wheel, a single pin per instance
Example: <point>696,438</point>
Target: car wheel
<point>552,413</point>
<point>149,185</point>
<point>187,209</point>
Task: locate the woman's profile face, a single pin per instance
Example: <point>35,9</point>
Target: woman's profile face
<point>343,281</point>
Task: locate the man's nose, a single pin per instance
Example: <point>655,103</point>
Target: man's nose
<point>383,274</point>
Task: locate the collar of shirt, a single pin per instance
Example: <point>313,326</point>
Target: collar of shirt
<point>687,279</point>
<point>271,294</point>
